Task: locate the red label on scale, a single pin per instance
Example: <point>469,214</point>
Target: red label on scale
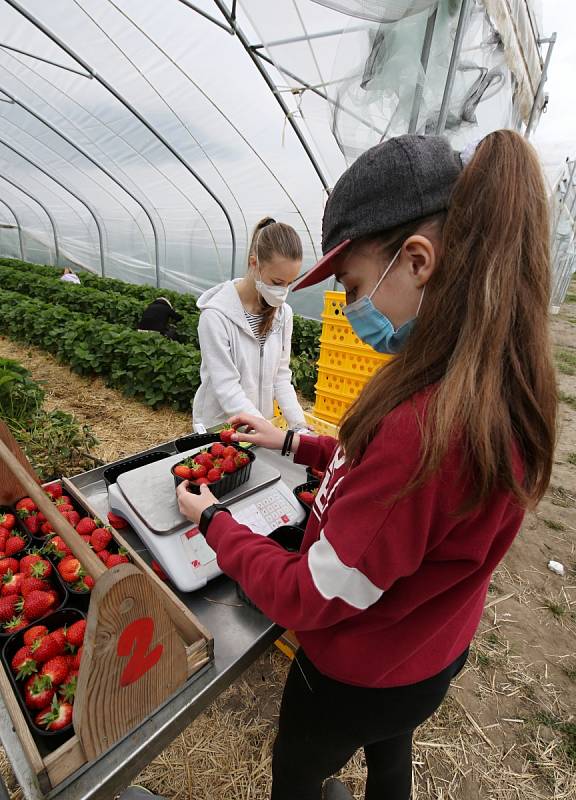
<point>191,533</point>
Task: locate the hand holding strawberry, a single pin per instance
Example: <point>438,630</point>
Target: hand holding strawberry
<point>192,505</point>
<point>260,432</point>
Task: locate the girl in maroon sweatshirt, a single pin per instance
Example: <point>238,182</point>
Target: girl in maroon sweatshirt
<point>445,264</point>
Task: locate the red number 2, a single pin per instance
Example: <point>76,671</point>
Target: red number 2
<point>134,641</point>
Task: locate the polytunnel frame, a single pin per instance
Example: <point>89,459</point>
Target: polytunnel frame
<point>93,75</point>
<point>18,226</point>
<point>43,207</point>
<point>78,197</point>
<point>100,166</point>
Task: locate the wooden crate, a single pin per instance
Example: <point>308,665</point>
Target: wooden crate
<point>52,769</point>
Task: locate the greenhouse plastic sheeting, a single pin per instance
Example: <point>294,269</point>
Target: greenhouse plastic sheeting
<point>349,74</point>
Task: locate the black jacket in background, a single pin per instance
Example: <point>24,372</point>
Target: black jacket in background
<point>157,316</point>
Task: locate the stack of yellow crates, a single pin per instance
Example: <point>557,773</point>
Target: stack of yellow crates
<point>345,362</point>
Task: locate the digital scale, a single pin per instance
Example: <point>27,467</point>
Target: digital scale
<point>146,498</point>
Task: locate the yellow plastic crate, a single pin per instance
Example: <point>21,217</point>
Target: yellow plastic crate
<point>334,302</point>
<point>340,384</point>
<point>349,362</point>
<point>330,407</point>
<point>319,426</point>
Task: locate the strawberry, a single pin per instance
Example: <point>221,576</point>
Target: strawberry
<point>307,497</point>
<point>103,555</point>
<point>26,504</point>
<point>32,523</point>
<point>7,521</point>
<point>36,633</point>
<point>73,517</point>
<point>241,459</point>
<point>100,539</point>
<point>49,647</point>
<point>85,526</point>
<point>85,539</point>
<point>55,597</point>
<point>182,471</point>
<point>7,607</point>
<point>46,528</point>
<point>59,639</point>
<point>4,535</point>
<point>68,688</point>
<point>228,465</point>
<point>198,471</point>
<point>204,458</point>
<point>14,545</point>
<point>76,659</point>
<point>116,521</point>
<point>57,547</point>
<point>36,604</point>
<point>9,565</point>
<point>226,434</point>
<point>27,561</point>
<point>65,507</point>
<point>229,452</point>
<point>33,585</point>
<point>75,633</point>
<point>56,717</point>
<point>38,691</point>
<point>159,571</point>
<point>12,583</point>
<point>214,475</point>
<point>56,669</point>
<point>216,450</point>
<point>54,490</point>
<point>40,569</point>
<point>201,482</point>
<point>85,584</point>
<point>23,663</point>
<point>16,623</point>
<point>115,559</point>
<point>317,473</point>
<point>41,517</point>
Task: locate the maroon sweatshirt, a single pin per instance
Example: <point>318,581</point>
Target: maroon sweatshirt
<point>382,593</point>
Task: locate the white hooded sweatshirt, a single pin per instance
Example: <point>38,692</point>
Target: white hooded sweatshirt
<point>237,375</point>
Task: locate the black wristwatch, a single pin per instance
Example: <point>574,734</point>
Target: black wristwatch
<point>207,515</point>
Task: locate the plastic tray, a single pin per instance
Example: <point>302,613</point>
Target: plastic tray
<point>305,487</point>
<point>228,482</point>
<point>290,538</point>
<point>46,740</point>
<point>111,473</point>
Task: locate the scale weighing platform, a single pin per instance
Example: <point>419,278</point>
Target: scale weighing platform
<point>146,498</point>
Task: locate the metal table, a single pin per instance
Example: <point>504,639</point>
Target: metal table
<point>240,636</point>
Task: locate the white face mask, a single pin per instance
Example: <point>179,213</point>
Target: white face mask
<point>274,295</point>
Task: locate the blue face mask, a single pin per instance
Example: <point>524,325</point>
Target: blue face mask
<point>375,328</point>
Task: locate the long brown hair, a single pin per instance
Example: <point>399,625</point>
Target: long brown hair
<point>269,239</point>
<point>481,338</point>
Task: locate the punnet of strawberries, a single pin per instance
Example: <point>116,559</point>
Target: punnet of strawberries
<point>46,667</point>
<point>211,464</point>
<point>93,531</point>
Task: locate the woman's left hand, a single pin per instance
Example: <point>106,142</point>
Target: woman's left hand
<point>192,505</point>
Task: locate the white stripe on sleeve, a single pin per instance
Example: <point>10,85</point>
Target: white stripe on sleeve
<point>333,579</point>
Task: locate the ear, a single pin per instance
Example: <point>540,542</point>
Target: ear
<point>252,261</point>
<point>421,254</point>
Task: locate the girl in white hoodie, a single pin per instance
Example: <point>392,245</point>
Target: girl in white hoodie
<point>245,334</point>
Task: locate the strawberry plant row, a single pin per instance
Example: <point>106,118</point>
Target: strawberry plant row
<point>150,368</point>
<point>109,306</point>
<point>183,303</point>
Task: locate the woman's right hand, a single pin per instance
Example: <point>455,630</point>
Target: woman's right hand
<point>258,430</point>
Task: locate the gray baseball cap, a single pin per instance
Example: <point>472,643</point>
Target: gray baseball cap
<point>393,183</point>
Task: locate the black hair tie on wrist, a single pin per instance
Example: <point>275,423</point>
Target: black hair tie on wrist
<point>288,442</point>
